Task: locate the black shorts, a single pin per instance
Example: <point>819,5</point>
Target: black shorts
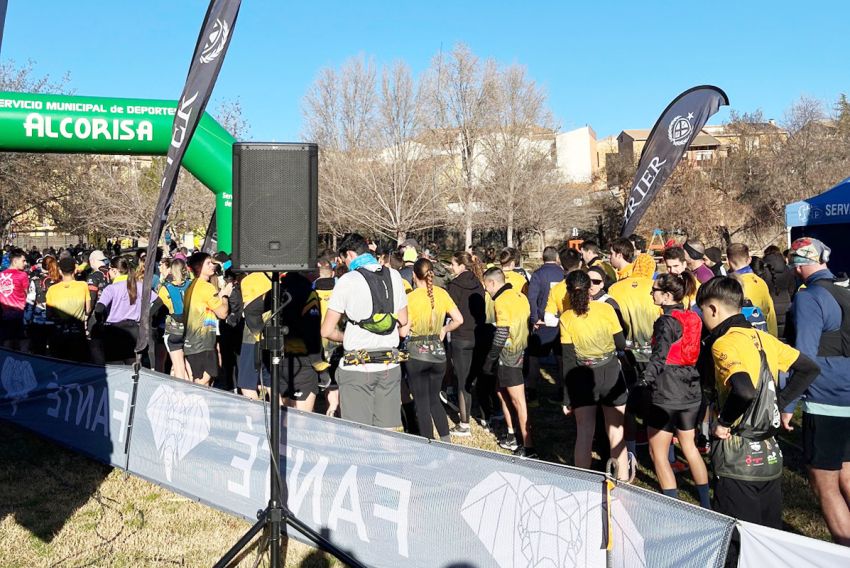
<point>203,362</point>
<point>826,441</point>
<point>510,376</point>
<point>668,419</point>
<point>173,342</point>
<point>757,502</point>
<point>589,386</point>
<point>301,379</point>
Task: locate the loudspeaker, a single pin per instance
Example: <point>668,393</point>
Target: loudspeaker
<point>275,206</point>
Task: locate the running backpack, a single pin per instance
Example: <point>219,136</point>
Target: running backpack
<point>685,351</point>
<point>383,320</point>
<point>754,316</point>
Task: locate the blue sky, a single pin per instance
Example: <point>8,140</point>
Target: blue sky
<point>613,65</point>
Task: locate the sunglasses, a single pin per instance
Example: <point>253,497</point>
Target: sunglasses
<point>595,282</point>
<point>654,290</point>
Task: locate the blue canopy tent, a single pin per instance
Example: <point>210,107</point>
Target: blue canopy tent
<point>825,217</point>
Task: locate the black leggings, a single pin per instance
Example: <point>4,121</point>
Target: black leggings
<point>425,379</point>
<point>119,341</point>
<point>463,353</point>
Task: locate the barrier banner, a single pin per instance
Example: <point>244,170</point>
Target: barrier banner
<point>390,499</point>
<point>674,533</point>
<point>670,138</point>
<point>764,546</point>
<point>210,49</point>
<point>83,407</point>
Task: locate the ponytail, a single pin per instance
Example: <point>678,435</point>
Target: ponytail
<point>126,266</point>
<point>689,283</point>
<point>424,270</point>
<point>679,286</point>
<point>578,291</point>
<point>472,263</point>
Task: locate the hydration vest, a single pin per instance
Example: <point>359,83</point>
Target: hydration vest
<point>836,343</point>
<point>685,351</point>
<point>382,321</point>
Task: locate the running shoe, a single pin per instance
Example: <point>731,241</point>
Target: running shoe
<point>461,431</point>
<point>449,400</point>
<point>679,467</point>
<point>509,442</point>
<point>484,424</point>
<point>523,452</point>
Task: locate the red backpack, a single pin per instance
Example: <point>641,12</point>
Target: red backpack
<point>685,351</point>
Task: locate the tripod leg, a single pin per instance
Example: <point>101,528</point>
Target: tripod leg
<point>225,560</point>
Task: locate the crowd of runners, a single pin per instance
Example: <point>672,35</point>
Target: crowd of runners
<point>707,351</point>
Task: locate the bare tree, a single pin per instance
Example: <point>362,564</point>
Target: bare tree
<point>32,182</point>
<point>339,112</point>
<point>376,171</point>
<point>460,93</point>
<point>518,150</point>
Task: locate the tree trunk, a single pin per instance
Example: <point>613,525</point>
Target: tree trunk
<point>468,233</point>
<point>334,243</point>
<point>724,234</point>
<point>510,239</point>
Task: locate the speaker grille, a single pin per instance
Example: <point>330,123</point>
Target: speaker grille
<point>275,193</point>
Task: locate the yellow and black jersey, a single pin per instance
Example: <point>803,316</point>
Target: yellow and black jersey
<point>737,351</point>
<point>427,320</point>
<point>323,288</point>
<point>634,295</point>
<point>558,301</point>
<point>512,311</point>
<point>516,280</point>
<point>66,301</point>
<point>591,333</point>
<point>255,290</point>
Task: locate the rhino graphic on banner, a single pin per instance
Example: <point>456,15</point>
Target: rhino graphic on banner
<point>523,524</point>
<point>179,421</point>
<point>18,379</point>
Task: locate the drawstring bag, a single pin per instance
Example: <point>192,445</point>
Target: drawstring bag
<point>751,453</point>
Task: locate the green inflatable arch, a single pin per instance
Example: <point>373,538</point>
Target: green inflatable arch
<point>100,125</point>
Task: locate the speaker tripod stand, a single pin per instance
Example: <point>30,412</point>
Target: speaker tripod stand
<point>276,514</point>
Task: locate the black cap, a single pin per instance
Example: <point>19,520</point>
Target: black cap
<point>714,255</point>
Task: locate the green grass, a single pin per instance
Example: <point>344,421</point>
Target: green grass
<point>58,508</point>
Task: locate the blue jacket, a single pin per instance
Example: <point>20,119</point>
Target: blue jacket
<point>543,279</point>
<point>813,312</point>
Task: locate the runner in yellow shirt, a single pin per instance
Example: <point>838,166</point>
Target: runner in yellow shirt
<point>68,305</point>
<point>755,289</point>
<point>590,338</point>
<point>428,306</point>
<point>506,358</point>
